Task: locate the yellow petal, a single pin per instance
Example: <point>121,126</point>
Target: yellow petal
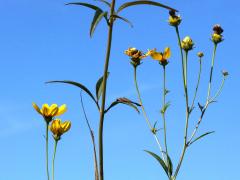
<point>35,106</point>
<point>66,126</point>
<point>157,56</point>
<point>55,126</point>
<point>62,109</point>
<point>53,110</point>
<point>45,110</point>
<point>167,53</point>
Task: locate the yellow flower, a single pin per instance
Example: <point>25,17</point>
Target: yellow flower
<point>58,128</point>
<point>187,43</point>
<point>136,55</point>
<point>174,20</point>
<point>48,112</point>
<point>200,54</point>
<point>217,38</point>
<point>162,57</point>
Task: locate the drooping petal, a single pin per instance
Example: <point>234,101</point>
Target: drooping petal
<point>157,56</point>
<point>62,109</point>
<point>167,53</point>
<point>35,106</point>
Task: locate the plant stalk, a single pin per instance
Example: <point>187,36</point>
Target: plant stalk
<point>47,169</point>
<point>163,113</point>
<point>102,109</point>
<point>145,114</point>
<point>54,155</point>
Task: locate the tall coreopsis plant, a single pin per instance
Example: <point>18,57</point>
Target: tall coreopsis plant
<point>186,45</point>
<point>110,16</point>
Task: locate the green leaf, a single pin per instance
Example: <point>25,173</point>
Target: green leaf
<point>124,19</point>
<point>99,14</point>
<point>165,107</point>
<point>153,3</point>
<point>200,137</point>
<point>105,2</point>
<point>99,87</point>
<point>169,165</point>
<point>86,5</point>
<point>77,85</point>
<point>125,101</point>
<point>159,159</point>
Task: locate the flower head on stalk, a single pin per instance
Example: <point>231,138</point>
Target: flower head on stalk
<point>217,34</point>
<point>200,54</point>
<point>58,128</point>
<point>49,112</point>
<point>225,73</point>
<point>174,20</point>
<point>187,43</point>
<point>162,57</point>
<point>135,55</point>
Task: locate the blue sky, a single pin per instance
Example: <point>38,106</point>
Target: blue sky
<point>45,40</point>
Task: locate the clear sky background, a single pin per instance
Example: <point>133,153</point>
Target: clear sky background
<point>45,40</point>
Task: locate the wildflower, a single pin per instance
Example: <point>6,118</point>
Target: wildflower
<point>187,43</point>
<point>200,54</point>
<point>225,73</point>
<point>58,128</point>
<point>217,34</point>
<point>162,57</point>
<point>217,38</point>
<point>49,112</point>
<point>136,56</point>
<point>174,20</point>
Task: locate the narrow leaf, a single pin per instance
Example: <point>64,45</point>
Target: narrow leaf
<point>169,165</point>
<point>165,107</point>
<point>77,85</point>
<point>159,159</point>
<point>153,3</point>
<point>96,19</point>
<point>105,2</point>
<point>99,87</point>
<point>124,101</point>
<point>124,19</point>
<point>86,5</point>
<point>203,135</point>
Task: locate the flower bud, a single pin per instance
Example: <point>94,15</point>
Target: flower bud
<point>217,34</point>
<point>200,54</point>
<point>136,56</point>
<point>217,29</point>
<point>187,43</point>
<point>225,73</point>
<point>174,20</point>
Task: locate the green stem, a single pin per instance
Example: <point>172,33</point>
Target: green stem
<point>102,109</point>
<point>145,114</point>
<point>185,81</point>
<point>48,177</point>
<point>54,155</point>
<point>163,113</point>
<point>219,90</point>
<point>211,72</point>
<point>198,81</point>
